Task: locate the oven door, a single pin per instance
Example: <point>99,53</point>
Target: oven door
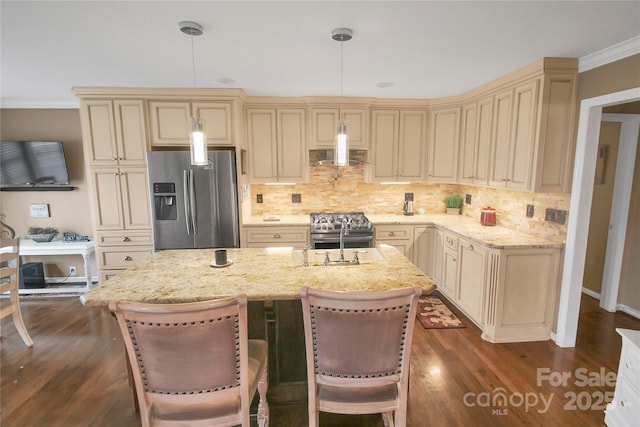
<point>324,241</point>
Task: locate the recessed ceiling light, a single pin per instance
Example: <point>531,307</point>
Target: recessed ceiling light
<point>225,80</point>
<point>384,84</point>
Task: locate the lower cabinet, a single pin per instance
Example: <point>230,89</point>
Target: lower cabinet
<point>117,251</point>
<point>265,236</point>
<point>427,252</point>
<point>399,236</point>
<point>509,293</point>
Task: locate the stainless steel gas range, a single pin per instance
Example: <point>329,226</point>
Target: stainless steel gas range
<point>327,229</point>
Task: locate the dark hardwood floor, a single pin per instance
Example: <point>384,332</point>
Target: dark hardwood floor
<point>75,374</point>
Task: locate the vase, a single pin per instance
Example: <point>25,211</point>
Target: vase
<point>453,211</point>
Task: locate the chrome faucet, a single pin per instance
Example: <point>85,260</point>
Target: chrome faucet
<point>344,231</point>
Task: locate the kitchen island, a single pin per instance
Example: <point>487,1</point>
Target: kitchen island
<point>271,278</point>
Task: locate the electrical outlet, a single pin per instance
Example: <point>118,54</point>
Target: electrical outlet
<point>73,271</point>
<point>529,211</point>
<point>258,198</point>
<point>408,197</point>
<point>555,215</point>
<point>296,198</point>
<point>467,199</point>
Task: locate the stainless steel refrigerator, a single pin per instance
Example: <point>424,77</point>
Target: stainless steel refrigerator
<point>193,206</point>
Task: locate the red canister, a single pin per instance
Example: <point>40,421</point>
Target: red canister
<point>488,216</point>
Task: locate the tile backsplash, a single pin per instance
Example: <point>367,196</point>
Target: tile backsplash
<point>343,189</point>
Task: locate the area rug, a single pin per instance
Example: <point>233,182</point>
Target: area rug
<point>433,314</point>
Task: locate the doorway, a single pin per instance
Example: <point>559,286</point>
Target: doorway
<point>579,212</point>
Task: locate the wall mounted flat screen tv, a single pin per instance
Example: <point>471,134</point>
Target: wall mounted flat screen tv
<point>32,163</point>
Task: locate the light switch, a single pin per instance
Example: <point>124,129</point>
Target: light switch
<point>39,210</point>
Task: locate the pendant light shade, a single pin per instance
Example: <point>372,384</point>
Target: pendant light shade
<point>197,136</point>
<point>342,146</point>
<point>197,142</point>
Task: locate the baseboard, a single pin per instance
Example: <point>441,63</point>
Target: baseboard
<point>591,293</point>
<point>629,310</point>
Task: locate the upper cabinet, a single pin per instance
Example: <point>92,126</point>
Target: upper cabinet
<point>398,151</point>
<point>114,132</point>
<point>277,145</point>
<point>169,122</point>
<point>513,143</point>
<point>533,132</point>
<point>444,137</point>
<point>475,143</point>
<point>324,122</point>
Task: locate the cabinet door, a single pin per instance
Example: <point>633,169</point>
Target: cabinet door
<point>443,145</point>
<point>99,133</point>
<point>437,255</point>
<point>471,279</point>
<point>263,154</point>
<point>384,145</point>
<point>131,135</point>
<point>169,123</point>
<point>356,121</point>
<point>292,153</point>
<point>484,130</point>
<point>107,200</point>
<point>498,172</point>
<point>421,244</point>
<point>217,122</point>
<point>134,187</point>
<point>468,143</point>
<point>449,270</point>
<point>323,127</point>
<point>523,128</point>
<point>411,146</point>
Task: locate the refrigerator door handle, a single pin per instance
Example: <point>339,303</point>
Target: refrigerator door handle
<point>192,202</point>
<point>187,194</point>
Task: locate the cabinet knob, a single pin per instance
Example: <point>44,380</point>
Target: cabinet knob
<point>128,258</point>
<point>114,158</point>
<point>392,234</point>
<point>622,403</point>
<point>470,247</point>
<point>126,239</point>
<point>276,236</point>
<point>454,259</point>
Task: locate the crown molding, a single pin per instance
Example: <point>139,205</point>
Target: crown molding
<point>10,103</point>
<point>610,54</point>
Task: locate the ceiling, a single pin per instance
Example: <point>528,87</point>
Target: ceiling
<point>418,49</point>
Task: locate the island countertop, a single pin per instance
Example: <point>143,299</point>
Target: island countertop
<point>260,273</point>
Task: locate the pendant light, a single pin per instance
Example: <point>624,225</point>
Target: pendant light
<point>197,136</point>
<point>341,155</point>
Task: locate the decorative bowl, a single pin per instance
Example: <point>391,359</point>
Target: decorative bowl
<point>42,238</point>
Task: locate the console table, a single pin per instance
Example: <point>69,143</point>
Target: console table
<point>58,247</point>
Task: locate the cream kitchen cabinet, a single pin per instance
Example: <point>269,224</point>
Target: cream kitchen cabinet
<point>449,265</point>
<point>470,279</point>
<point>444,138</point>
<point>427,251</point>
<point>277,145</point>
<point>324,122</point>
<point>120,199</point>
<point>533,132</point>
<point>169,122</point>
<point>280,236</point>
<point>399,236</point>
<point>114,132</point>
<point>398,151</point>
<point>119,250</point>
<point>475,143</point>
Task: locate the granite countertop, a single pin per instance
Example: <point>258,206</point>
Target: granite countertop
<point>495,237</point>
<point>260,273</point>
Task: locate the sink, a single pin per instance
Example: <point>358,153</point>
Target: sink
<point>317,256</point>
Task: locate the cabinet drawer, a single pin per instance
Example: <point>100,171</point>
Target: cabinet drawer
<point>123,257</point>
<point>383,232</point>
<point>627,401</point>
<point>451,240</point>
<point>630,364</point>
<point>124,239</point>
<point>278,234</point>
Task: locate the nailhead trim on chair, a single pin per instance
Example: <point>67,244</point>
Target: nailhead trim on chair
<point>142,368</point>
<point>314,308</point>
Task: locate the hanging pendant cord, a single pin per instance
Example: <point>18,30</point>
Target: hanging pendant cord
<point>193,70</point>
